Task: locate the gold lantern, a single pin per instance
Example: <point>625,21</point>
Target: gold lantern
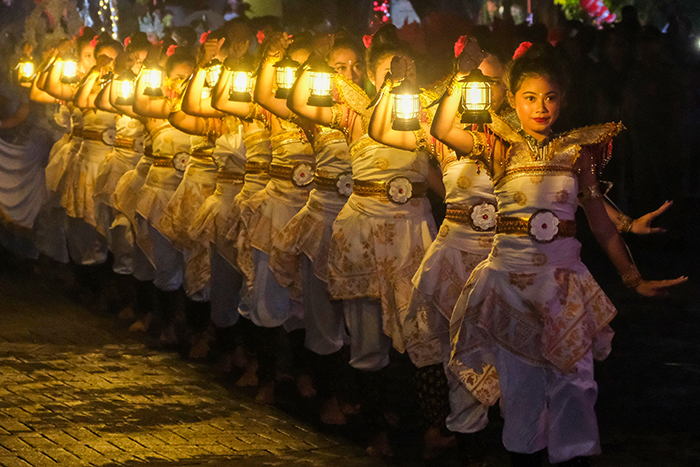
<point>69,69</point>
<point>153,77</point>
<point>321,85</point>
<point>25,70</point>
<point>286,71</point>
<point>212,72</point>
<point>476,98</point>
<point>406,107</point>
<point>125,89</point>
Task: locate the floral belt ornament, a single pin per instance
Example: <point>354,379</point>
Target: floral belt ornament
<point>398,190</point>
<point>341,183</point>
<point>107,136</point>
<point>300,174</point>
<point>480,217</point>
<point>180,161</point>
<point>135,144</point>
<point>543,226</point>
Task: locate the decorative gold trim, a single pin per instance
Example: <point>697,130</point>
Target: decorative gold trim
<point>203,154</point>
<point>327,137</point>
<point>376,189</point>
<point>160,129</point>
<point>256,137</point>
<point>363,144</point>
<point>163,162</point>
<point>257,167</point>
<point>94,135</point>
<point>521,226</point>
<point>542,170</point>
<point>230,177</point>
<point>286,137</point>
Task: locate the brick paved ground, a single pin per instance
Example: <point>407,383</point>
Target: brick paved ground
<point>77,389</point>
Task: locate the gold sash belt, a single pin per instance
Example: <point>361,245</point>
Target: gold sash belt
<point>163,162</point>
<point>257,167</point>
<point>480,217</point>
<point>202,154</point>
<point>94,135</point>
<point>381,190</point>
<point>539,228</point>
<point>124,143</point>
<point>230,177</point>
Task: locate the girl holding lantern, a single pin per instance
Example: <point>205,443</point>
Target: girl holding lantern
<point>154,98</point>
<point>533,290</point>
<point>299,255</point>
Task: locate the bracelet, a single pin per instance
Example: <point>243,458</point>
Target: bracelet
<point>589,193</point>
<point>421,139</point>
<point>632,278</point>
<point>479,143</point>
<point>252,107</point>
<point>274,58</point>
<point>336,116</point>
<point>454,83</point>
<point>625,225</point>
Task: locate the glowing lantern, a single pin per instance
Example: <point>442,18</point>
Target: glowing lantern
<point>285,74</point>
<point>406,107</point>
<point>125,89</point>
<point>153,77</point>
<point>212,72</point>
<point>25,70</point>
<point>321,85</point>
<point>476,98</point>
<point>69,69</point>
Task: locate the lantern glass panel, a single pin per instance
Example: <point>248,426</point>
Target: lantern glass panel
<point>242,81</point>
<point>26,70</point>
<point>69,69</point>
<point>153,78</point>
<point>477,96</point>
<point>406,106</point>
<point>285,77</point>
<point>321,83</point>
<point>212,75</point>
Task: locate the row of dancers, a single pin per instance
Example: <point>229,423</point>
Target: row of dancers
<point>276,213</point>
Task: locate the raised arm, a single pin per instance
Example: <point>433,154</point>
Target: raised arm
<point>264,93</point>
<point>147,106</point>
<point>102,98</point>
<point>608,236</point>
<point>639,226</point>
<point>36,93</point>
<point>85,97</point>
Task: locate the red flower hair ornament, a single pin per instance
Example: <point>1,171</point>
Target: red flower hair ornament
<point>93,42</point>
<point>260,36</point>
<point>367,40</point>
<point>171,50</point>
<point>522,48</point>
<point>203,38</point>
<point>81,32</point>
<point>459,45</point>
<point>127,41</point>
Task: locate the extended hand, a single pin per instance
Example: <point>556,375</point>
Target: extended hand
<point>471,56</point>
<point>238,49</point>
<point>323,44</point>
<point>642,226</point>
<point>103,62</point>
<point>658,288</point>
<point>399,68</point>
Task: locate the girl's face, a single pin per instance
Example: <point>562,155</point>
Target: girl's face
<point>346,63</point>
<point>140,56</point>
<point>181,71</point>
<point>537,103</point>
<point>87,58</point>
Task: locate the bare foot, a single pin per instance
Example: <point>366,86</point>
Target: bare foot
<point>250,377</point>
<point>305,386</point>
<point>379,447</point>
<point>142,324</point>
<point>168,336</point>
<point>126,313</point>
<point>266,394</point>
<point>200,347</point>
<point>435,443</point>
<point>240,357</point>
<point>331,413</point>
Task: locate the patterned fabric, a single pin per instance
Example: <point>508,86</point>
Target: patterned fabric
<point>258,150</point>
<point>267,212</point>
<point>81,172</point>
<point>63,152</point>
<point>447,264</point>
<point>117,163</point>
<point>534,300</point>
<point>378,245</point>
<point>160,184</point>
<point>214,218</point>
<point>198,183</point>
<point>309,232</point>
<point>125,193</point>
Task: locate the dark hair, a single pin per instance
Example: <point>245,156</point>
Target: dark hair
<point>187,35</point>
<point>538,60</point>
<point>343,41</point>
<point>302,41</point>
<point>179,57</point>
<point>105,40</point>
<point>385,42</point>
<point>138,41</point>
<point>84,39</point>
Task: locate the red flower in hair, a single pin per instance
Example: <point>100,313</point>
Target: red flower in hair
<point>522,48</point>
<point>127,41</point>
<point>81,31</point>
<point>367,40</point>
<point>171,50</point>
<point>261,36</point>
<point>203,38</point>
<point>459,45</point>
<point>93,42</point>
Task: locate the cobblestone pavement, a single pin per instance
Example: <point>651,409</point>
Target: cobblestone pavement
<point>77,391</point>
